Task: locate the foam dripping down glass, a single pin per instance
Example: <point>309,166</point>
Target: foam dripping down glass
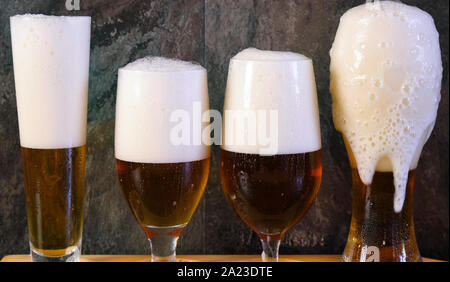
<point>386,73</point>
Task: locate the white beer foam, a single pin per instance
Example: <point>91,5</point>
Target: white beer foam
<point>386,73</point>
<point>272,80</point>
<point>149,90</point>
<point>161,64</point>
<point>51,70</point>
<point>253,54</point>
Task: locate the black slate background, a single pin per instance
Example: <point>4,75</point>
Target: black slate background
<point>211,32</point>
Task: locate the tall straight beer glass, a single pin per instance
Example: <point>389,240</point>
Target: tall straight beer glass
<point>162,163</point>
<point>270,161</point>
<point>386,73</point>
<point>51,69</point>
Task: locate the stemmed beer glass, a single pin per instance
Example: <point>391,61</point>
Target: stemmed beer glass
<point>162,163</point>
<point>270,160</point>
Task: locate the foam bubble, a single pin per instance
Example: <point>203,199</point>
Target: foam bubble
<point>253,54</point>
<point>51,69</point>
<point>386,133</point>
<point>272,81</point>
<point>149,91</point>
<point>161,64</point>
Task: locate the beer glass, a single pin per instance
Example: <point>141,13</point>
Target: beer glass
<point>270,160</point>
<point>162,172</point>
<point>51,69</point>
<point>386,75</point>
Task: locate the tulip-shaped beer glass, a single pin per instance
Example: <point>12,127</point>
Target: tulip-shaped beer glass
<point>270,161</point>
<point>162,163</point>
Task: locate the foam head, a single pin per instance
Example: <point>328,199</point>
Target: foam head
<point>51,69</point>
<point>153,95</point>
<point>262,83</point>
<point>386,73</point>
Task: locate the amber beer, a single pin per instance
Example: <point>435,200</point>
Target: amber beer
<point>270,158</point>
<point>51,73</point>
<point>270,193</point>
<point>379,233</point>
<point>371,236</point>
<point>162,177</point>
<point>165,194</point>
<point>54,189</point>
<point>385,84</point>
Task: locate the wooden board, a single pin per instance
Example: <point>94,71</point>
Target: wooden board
<point>195,258</point>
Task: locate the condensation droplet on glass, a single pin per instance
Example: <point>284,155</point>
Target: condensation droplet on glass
<point>378,83</point>
<point>382,45</point>
<point>405,101</point>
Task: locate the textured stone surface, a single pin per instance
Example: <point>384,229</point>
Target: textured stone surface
<point>211,32</point>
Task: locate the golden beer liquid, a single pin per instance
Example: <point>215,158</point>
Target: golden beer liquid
<point>377,232</point>
<point>270,193</point>
<point>54,187</point>
<point>163,194</point>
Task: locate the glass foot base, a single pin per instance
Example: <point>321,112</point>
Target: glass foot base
<point>352,253</point>
<point>71,254</point>
<point>270,249</point>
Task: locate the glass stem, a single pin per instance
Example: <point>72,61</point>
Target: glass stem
<point>163,248</point>
<point>270,249</point>
<point>163,241</point>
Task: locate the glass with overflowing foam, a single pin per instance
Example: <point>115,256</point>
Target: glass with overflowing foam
<point>270,161</point>
<point>386,74</point>
<point>162,161</point>
<point>51,69</point>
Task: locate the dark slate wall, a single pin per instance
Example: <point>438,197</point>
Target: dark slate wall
<point>211,32</point>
